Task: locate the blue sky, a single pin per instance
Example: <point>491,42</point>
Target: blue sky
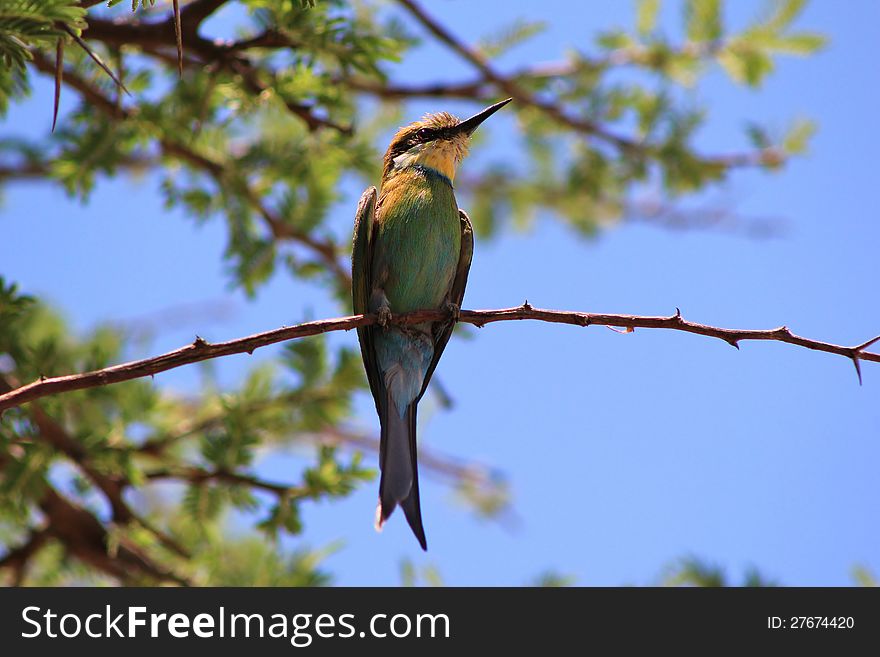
<point>625,452</point>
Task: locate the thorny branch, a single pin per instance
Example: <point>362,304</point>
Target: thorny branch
<point>510,87</point>
<point>441,464</point>
<point>229,55</point>
<point>80,533</point>
<point>112,487</point>
<point>196,475</point>
<point>17,559</point>
<point>84,537</point>
<point>201,350</point>
<point>79,530</point>
<point>162,39</point>
<point>159,37</point>
<point>325,250</point>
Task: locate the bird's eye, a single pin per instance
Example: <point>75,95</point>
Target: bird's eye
<point>424,133</point>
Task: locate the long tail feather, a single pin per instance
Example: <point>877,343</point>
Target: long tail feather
<point>399,462</point>
<point>411,507</point>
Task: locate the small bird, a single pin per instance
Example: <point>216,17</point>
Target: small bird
<point>412,251</point>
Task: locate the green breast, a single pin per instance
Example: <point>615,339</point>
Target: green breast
<point>418,241</point>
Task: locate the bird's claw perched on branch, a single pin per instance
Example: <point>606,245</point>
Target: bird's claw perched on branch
<point>383,316</point>
<point>454,311</point>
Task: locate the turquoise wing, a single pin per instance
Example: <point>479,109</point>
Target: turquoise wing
<point>361,287</point>
<point>456,294</point>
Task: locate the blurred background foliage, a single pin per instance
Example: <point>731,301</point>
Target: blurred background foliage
<point>259,129</point>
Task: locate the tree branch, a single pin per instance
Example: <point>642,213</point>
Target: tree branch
<point>17,559</point>
<point>325,250</point>
<point>201,350</point>
<point>111,486</point>
<point>196,475</point>
<point>443,465</point>
<point>229,55</point>
<point>512,87</point>
<point>193,14</point>
<point>85,538</point>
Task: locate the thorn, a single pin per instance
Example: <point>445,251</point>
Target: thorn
<point>526,305</point>
<point>59,76</point>
<point>178,36</point>
<point>677,312</point>
<point>199,342</point>
<point>250,352</point>
<point>628,329</point>
<point>781,332</point>
<point>855,360</point>
<point>867,344</point>
<point>91,53</point>
<point>733,343</point>
<point>42,377</point>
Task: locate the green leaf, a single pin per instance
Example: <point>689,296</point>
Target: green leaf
<point>202,502</point>
<point>862,576</point>
<point>646,16</point>
<point>614,40</point>
<point>783,13</point>
<point>703,20</point>
<point>26,24</point>
<point>798,137</point>
<point>510,36</point>
<point>285,514</point>
<point>746,65</point>
<point>309,358</point>
<point>801,43</point>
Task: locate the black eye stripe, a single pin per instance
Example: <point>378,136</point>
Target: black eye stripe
<point>420,136</point>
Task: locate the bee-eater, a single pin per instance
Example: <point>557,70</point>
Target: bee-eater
<point>412,251</point>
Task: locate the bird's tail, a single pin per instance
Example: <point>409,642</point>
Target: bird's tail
<point>400,474</point>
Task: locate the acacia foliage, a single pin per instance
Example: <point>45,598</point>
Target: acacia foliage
<point>280,104</point>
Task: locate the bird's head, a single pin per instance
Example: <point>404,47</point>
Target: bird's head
<point>438,141</point>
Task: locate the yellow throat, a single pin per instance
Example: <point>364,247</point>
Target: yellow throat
<point>441,155</point>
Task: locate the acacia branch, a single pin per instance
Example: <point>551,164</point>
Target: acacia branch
<point>201,350</point>
<point>171,33</point>
<point>198,476</point>
<point>510,86</point>
<point>87,539</point>
<point>17,559</point>
<point>84,537</point>
<point>112,487</point>
<point>443,465</point>
<point>223,175</point>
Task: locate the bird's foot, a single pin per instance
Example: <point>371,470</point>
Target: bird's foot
<point>453,309</point>
<point>384,316</point>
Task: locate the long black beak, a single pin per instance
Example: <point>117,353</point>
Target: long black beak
<point>469,125</point>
